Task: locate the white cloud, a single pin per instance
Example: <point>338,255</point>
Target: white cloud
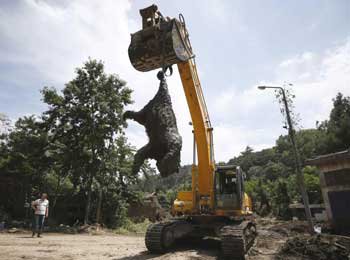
<point>327,74</point>
<point>302,67</point>
<point>251,117</point>
<point>230,140</point>
<point>240,120</point>
<point>297,60</point>
<point>217,11</point>
<point>54,39</point>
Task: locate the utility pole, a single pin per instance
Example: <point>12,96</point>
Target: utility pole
<point>300,177</point>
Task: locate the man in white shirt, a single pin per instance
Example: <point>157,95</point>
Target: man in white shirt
<point>41,211</point>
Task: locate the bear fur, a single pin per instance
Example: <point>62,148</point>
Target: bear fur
<point>165,142</point>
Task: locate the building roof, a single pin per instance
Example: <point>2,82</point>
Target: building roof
<point>330,158</point>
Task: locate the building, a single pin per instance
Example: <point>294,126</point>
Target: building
<point>335,187</point>
<point>318,211</point>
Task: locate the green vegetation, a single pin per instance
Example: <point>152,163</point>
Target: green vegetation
<point>130,227</point>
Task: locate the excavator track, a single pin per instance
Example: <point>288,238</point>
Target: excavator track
<point>236,240</point>
<point>160,236</point>
<point>154,237</point>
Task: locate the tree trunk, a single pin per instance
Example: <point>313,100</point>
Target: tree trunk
<point>99,205</point>
<point>88,201</point>
<point>58,185</point>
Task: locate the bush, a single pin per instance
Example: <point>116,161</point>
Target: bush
<point>130,227</point>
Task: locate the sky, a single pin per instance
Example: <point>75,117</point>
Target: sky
<point>239,44</point>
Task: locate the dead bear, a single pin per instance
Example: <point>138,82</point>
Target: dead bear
<point>165,142</point>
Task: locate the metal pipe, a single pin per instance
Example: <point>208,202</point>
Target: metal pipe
<point>194,148</point>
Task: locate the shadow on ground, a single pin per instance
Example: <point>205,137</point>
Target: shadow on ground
<point>198,249</point>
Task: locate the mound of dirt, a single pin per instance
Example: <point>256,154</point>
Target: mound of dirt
<point>320,247</point>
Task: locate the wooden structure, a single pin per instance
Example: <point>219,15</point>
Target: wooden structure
<point>317,211</point>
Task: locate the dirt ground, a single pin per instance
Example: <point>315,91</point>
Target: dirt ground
<point>88,247</point>
<point>108,246</point>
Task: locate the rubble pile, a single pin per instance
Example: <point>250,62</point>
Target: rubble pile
<point>75,229</point>
<point>66,229</point>
<point>320,247</point>
<point>90,229</point>
<point>288,228</point>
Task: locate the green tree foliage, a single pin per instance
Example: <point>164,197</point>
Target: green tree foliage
<point>23,165</point>
<point>272,180</point>
<point>168,187</point>
<point>337,127</point>
<point>308,142</point>
<point>289,95</point>
<point>84,122</point>
<point>260,192</point>
<point>280,198</point>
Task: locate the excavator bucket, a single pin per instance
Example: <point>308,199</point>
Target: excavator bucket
<point>161,42</point>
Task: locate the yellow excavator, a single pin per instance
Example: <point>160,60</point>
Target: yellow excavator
<point>217,205</point>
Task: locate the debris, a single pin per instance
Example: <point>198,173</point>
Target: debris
<point>149,208</point>
<point>90,228</point>
<point>287,228</point>
<point>318,247</point>
<point>164,140</point>
<point>17,224</point>
<point>2,226</point>
<point>13,230</point>
<point>318,229</point>
<point>64,229</point>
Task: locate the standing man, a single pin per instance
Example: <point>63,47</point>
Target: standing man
<point>41,211</point>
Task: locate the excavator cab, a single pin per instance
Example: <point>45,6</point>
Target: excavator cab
<point>229,187</point>
<point>161,43</point>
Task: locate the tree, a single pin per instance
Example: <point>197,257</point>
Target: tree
<point>116,178</point>
<point>84,122</point>
<point>312,182</point>
<point>337,128</point>
<point>280,199</point>
<point>5,124</point>
<point>309,143</point>
<point>24,162</point>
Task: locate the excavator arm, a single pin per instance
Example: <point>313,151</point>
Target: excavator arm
<point>202,175</point>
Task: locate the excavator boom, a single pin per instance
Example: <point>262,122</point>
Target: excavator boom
<point>202,186</point>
